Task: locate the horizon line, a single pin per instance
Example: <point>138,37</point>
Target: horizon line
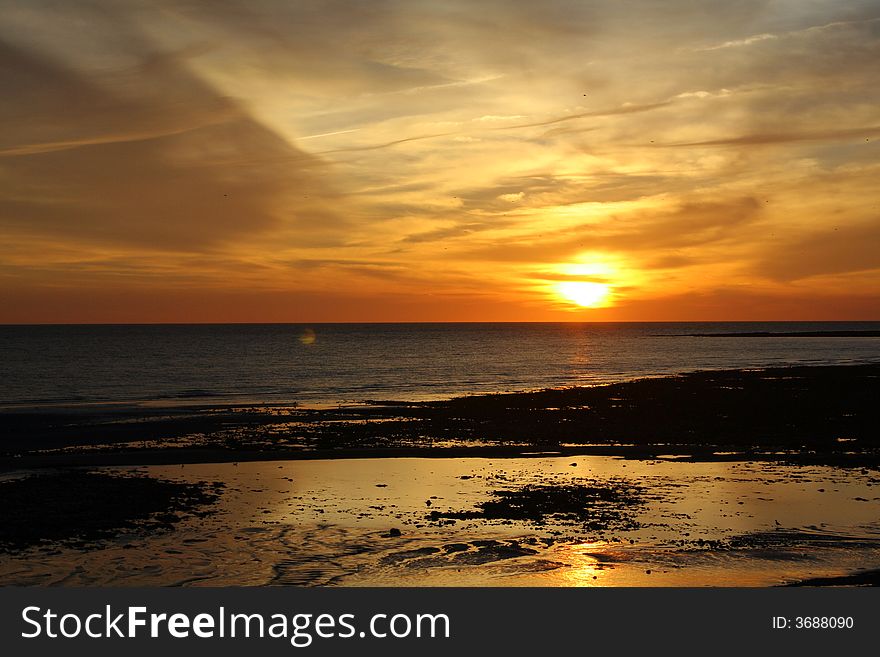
<point>385,323</point>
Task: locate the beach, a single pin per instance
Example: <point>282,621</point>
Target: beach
<point>821,414</point>
<point>758,477</point>
<point>416,522</point>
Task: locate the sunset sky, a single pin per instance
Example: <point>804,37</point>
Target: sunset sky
<point>406,160</point>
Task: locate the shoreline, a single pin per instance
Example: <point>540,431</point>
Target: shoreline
<point>183,456</point>
<point>805,414</point>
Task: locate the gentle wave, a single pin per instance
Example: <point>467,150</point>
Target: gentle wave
<point>176,364</point>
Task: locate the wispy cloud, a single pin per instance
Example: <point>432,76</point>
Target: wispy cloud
<point>736,43</point>
<point>389,144</point>
<point>766,36</point>
<point>616,111</point>
<point>329,134</point>
<point>761,139</point>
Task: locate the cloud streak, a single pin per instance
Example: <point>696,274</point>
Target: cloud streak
<point>617,111</point>
<point>761,139</point>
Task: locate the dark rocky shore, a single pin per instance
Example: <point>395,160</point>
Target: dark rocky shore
<point>827,414</point>
<point>79,509</point>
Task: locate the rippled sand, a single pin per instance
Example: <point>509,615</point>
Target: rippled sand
<point>359,522</point>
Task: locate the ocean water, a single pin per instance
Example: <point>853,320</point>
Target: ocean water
<point>323,364</point>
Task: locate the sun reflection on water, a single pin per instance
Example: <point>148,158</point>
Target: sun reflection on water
<point>588,563</point>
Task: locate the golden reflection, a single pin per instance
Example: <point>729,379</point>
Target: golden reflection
<point>308,336</point>
<point>588,564</point>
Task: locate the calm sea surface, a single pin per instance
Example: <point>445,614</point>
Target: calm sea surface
<point>330,363</point>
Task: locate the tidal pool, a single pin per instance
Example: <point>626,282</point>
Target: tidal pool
<point>538,521</point>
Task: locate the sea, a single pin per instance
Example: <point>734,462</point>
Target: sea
<point>320,365</point>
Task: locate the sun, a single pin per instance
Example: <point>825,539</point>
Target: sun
<point>585,294</point>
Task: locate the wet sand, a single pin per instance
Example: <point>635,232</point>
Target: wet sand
<point>412,522</point>
<point>729,478</point>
